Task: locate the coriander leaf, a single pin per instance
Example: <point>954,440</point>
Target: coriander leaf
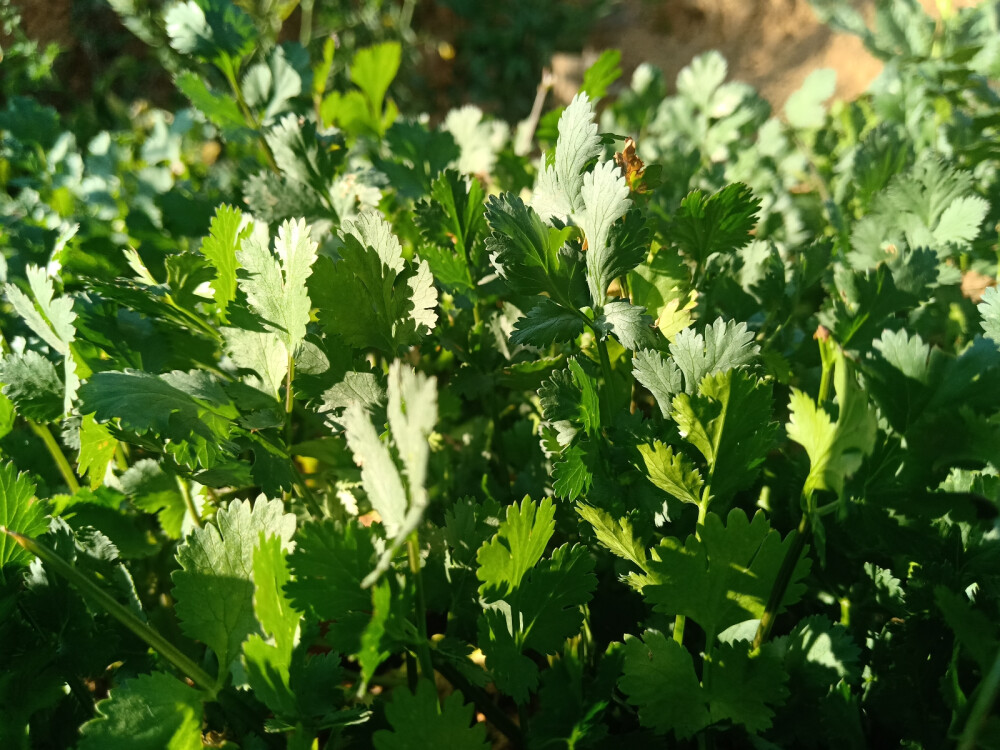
<point>478,140</point>
<point>605,198</point>
<point>419,721</point>
<point>549,600</point>
<point>214,588</point>
<point>660,376</point>
<point>725,346</point>
<point>804,108</point>
<point>516,548</point>
<point>720,223</point>
<point>625,245</point>
<point>277,291</point>
<point>304,156</point>
<point>723,577</point>
<point>745,686</point>
<point>261,352</point>
<point>453,226</point>
<point>97,449</point>
<point>569,400</point>
<point>33,385</point>
<point>371,652</point>
<point>373,69</point>
<point>729,422</point>
<point>557,192</point>
<point>619,538</point>
<point>672,472</point>
<point>412,413</point>
<point>149,712</point>
<point>19,512</point>
<point>599,76</point>
<point>524,251</point>
<point>268,661</point>
<point>382,481</point>
<point>658,677</point>
<point>329,563</point>
<point>221,247</point>
<point>362,387</point>
<point>571,475</point>
<point>221,109</point>
<point>152,490</point>
<point>546,323</point>
<point>989,309</point>
<point>629,323</point>
<point>272,85</point>
<point>836,449</point>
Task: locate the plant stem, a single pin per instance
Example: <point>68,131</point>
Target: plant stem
<point>306,27</point>
<point>289,402</point>
<point>423,649</point>
<point>58,456</point>
<point>100,597</point>
<point>782,581</point>
<point>985,698</point>
<point>609,393</point>
<point>189,501</point>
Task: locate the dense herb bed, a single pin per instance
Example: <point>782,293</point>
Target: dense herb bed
<point>322,427</point>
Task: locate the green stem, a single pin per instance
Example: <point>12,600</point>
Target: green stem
<point>58,456</point>
<point>985,698</point>
<point>609,392</point>
<point>289,402</point>
<point>306,27</point>
<point>423,649</point>
<point>189,501</point>
<point>679,622</point>
<point>781,582</point>
<point>251,121</point>
<point>100,597</point>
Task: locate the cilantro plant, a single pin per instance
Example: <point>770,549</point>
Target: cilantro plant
<point>324,427</point>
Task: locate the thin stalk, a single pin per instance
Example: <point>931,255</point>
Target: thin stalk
<point>58,456</point>
<point>189,501</point>
<point>423,649</point>
<point>985,698</point>
<point>782,581</point>
<point>306,27</point>
<point>289,402</point>
<point>609,393</point>
<point>251,121</point>
<point>481,699</point>
<point>100,597</point>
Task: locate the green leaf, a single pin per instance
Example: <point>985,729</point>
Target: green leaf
<point>621,248</point>
<point>804,108</point>
<point>19,512</point>
<point>629,324</point>
<point>599,76</point>
<point>329,563</point>
<point>725,346</point>
<point>723,577</point>
<point>214,588</point>
<point>672,472</point>
<point>836,448</point>
<point>419,721</point>
<point>370,298</point>
<point>523,250</point>
<point>150,712</point>
<point>373,69</point>
<point>660,376</point>
<point>516,548</point>
<point>453,225</point>
<point>989,310</point>
<point>33,385</point>
<point>210,29</point>
<point>220,247</point>
<point>569,400</point>
<point>558,191</point>
<point>605,198</point>
<point>571,474</point>
<point>658,677</point>
<point>546,323</point>
<point>272,85</point>
<point>719,223</point>
<point>305,156</point>
<point>619,538</point>
<point>412,414</point>
<point>729,422</point>
<point>221,109</point>
<point>744,686</point>
<point>275,290</point>
<point>154,491</point>
<point>263,353</point>
<point>371,652</point>
<point>97,450</point>
<point>268,661</point>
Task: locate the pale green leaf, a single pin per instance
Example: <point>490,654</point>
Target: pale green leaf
<point>373,69</point>
<point>660,376</point>
<point>32,383</point>
<point>276,287</point>
<point>724,346</point>
<point>97,450</point>
<point>619,538</point>
<point>629,324</point>
<point>989,310</point>
<point>558,191</point>
<point>672,472</point>
<point>605,198</point>
<point>261,352</point>
<point>214,588</point>
<point>805,107</point>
